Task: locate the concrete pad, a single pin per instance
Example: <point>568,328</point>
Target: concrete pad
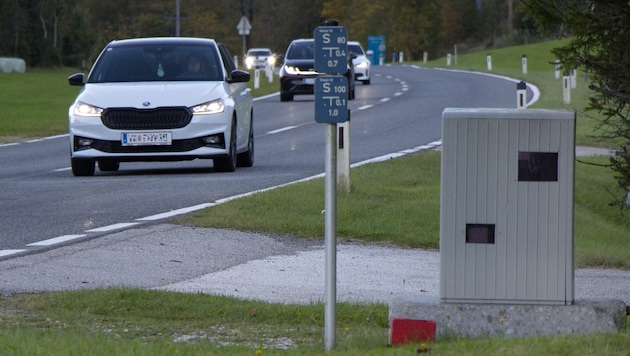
<point>496,320</point>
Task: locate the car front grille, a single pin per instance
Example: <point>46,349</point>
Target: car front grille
<point>146,119</point>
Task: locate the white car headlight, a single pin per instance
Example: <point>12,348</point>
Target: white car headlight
<point>83,109</point>
<point>362,65</point>
<point>271,60</point>
<point>290,70</point>
<point>211,107</point>
<point>249,61</point>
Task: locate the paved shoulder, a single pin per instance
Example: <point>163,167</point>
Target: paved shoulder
<point>249,266</point>
<point>144,257</point>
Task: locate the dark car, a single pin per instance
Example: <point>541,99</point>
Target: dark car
<point>297,74</point>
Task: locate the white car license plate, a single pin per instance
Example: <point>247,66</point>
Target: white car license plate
<point>146,138</point>
<point>309,80</point>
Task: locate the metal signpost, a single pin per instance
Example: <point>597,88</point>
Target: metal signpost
<point>331,107</point>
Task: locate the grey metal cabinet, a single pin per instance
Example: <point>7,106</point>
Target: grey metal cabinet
<point>506,212</point>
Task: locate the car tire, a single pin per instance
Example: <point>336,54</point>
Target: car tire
<point>366,82</point>
<point>82,167</point>
<point>246,159</point>
<point>286,97</point>
<point>108,166</point>
<point>228,164</point>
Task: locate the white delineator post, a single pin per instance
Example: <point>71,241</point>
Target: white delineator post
<point>566,89</point>
<point>557,69</point>
<point>256,79</point>
<point>521,95</point>
<point>343,156</point>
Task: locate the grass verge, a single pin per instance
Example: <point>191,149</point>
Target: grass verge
<point>118,321</point>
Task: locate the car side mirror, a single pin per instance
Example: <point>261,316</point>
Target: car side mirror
<point>76,79</point>
<point>239,76</point>
<point>369,53</point>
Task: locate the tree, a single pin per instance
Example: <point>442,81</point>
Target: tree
<point>599,32</point>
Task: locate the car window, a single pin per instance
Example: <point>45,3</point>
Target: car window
<point>227,60</point>
<point>157,63</point>
<point>301,50</point>
<point>259,53</point>
<point>356,49</point>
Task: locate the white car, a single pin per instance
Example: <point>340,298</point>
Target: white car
<point>258,58</point>
<point>361,62</point>
<point>161,99</point>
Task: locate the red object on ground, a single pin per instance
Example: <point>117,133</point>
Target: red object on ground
<point>403,331</point>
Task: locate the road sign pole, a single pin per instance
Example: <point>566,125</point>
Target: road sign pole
<point>330,216</point>
<point>331,105</point>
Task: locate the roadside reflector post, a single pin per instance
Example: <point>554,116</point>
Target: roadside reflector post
<point>489,61</point>
<point>566,89</point>
<point>343,156</point>
<point>521,95</point>
<point>557,69</point>
<point>524,64</point>
<point>256,79</point>
<point>269,72</point>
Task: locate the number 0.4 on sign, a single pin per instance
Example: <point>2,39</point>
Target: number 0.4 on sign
<point>331,99</point>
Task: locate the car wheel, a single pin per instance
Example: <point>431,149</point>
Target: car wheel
<point>286,97</point>
<point>246,159</point>
<point>82,167</point>
<point>228,164</point>
<point>108,166</point>
<point>366,82</point>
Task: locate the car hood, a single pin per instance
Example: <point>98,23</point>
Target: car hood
<point>150,94</point>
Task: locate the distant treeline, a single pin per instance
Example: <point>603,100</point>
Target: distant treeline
<point>72,32</point>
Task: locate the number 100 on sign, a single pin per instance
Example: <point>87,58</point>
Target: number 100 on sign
<point>331,99</point>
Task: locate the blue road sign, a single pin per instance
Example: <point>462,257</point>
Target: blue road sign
<point>331,99</point>
<point>376,45</point>
<point>331,49</point>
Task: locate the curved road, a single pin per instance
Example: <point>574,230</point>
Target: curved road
<point>401,109</point>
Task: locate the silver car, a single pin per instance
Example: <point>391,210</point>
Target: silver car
<point>161,99</point>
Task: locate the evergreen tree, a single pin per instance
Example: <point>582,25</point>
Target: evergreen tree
<point>599,32</point>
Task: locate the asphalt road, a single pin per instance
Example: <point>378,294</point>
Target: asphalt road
<point>401,109</point>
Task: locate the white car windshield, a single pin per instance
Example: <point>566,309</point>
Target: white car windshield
<point>157,63</point>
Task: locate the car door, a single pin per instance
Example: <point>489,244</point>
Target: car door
<point>241,95</point>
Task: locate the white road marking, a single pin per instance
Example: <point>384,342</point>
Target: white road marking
<point>56,240</point>
<point>9,252</point>
<point>280,130</point>
<point>112,227</point>
<point>176,212</point>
